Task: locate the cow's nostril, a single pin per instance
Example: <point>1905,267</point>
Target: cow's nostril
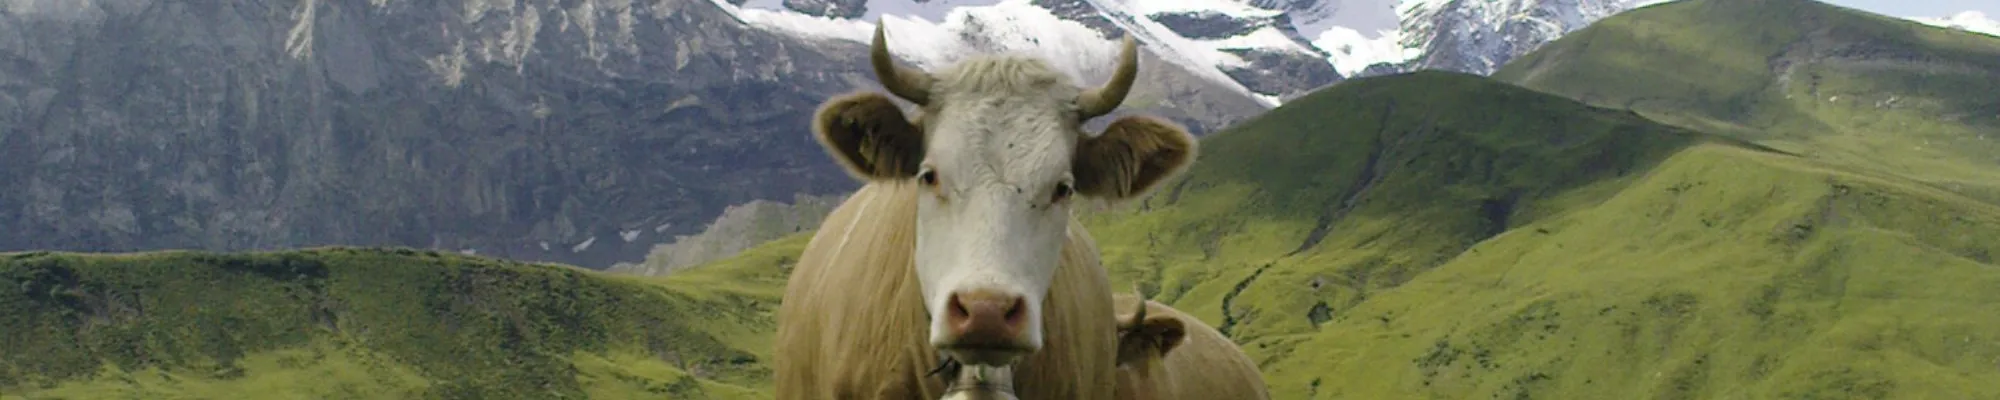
<point>1014,312</point>
<point>957,308</point>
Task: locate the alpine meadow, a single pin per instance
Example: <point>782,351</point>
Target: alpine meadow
<point>1698,199</point>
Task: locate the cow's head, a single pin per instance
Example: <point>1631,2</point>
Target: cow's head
<point>1000,155</point>
<point>1143,340</point>
<point>1143,344</point>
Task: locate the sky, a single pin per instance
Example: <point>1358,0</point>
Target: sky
<point>1922,8</point>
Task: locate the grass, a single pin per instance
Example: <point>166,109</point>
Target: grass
<point>1486,241</point>
<point>1384,178</point>
<point>364,323</point>
<point>1875,94</point>
<point>1721,274</point>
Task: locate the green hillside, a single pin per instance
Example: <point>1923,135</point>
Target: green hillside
<point>1857,89</point>
<point>1483,241</point>
<point>379,324</point>
<point>1721,273</point>
<point>1364,186</point>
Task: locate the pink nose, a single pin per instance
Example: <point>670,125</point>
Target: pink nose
<point>986,319</point>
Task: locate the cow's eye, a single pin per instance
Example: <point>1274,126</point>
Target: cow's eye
<point>928,178</point>
<point>1062,193</point>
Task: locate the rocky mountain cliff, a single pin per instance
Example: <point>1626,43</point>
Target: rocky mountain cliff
<point>581,132</point>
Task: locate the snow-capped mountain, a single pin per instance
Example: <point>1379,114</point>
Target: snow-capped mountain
<point>1268,49</point>
<point>1478,36</point>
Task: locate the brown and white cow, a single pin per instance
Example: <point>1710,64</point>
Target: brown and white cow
<point>1166,354</point>
<point>961,241</point>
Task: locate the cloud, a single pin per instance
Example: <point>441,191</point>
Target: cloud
<point>1970,20</point>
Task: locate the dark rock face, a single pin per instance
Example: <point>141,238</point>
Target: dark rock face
<point>1209,24</point>
<point>233,125</point>
<point>1284,73</point>
<point>576,131</point>
<point>1379,69</point>
<point>1280,73</point>
<point>1083,13</point>
<point>1478,37</point>
<point>830,8</point>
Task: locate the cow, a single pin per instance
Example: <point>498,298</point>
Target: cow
<point>1165,354</point>
<point>960,244</point>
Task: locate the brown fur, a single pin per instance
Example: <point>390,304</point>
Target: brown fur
<point>1172,355</point>
<point>869,136</point>
<point>853,323</point>
<point>1134,154</point>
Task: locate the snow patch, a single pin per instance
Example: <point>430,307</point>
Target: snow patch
<point>1359,15</point>
<point>1266,38</point>
<point>1351,52</point>
<point>1232,8</point>
<point>1270,100</point>
<point>299,40</point>
<point>629,236</point>
<point>776,18</point>
<point>1350,34</point>
<point>580,247</point>
<point>449,67</point>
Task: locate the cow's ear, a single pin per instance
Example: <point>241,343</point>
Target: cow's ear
<point>1150,339</point>
<point>1134,155</point>
<point>869,136</point>
<point>1167,332</point>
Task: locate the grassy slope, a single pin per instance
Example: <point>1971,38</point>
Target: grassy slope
<point>1858,89</point>
<point>353,323</point>
<point>1635,261</point>
<point>1394,175</point>
<point>1721,274</point>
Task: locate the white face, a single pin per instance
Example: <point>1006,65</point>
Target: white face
<point>991,224</point>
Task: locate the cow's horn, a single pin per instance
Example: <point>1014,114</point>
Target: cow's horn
<point>1138,316</point>
<point>1099,101</point>
<point>905,82</point>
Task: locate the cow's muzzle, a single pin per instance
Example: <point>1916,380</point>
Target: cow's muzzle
<point>986,327</point>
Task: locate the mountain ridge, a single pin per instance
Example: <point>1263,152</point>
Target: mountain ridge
<point>1270,50</point>
<point>1857,89</point>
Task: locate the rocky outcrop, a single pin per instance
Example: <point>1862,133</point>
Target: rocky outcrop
<point>739,228</point>
<point>533,129</point>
